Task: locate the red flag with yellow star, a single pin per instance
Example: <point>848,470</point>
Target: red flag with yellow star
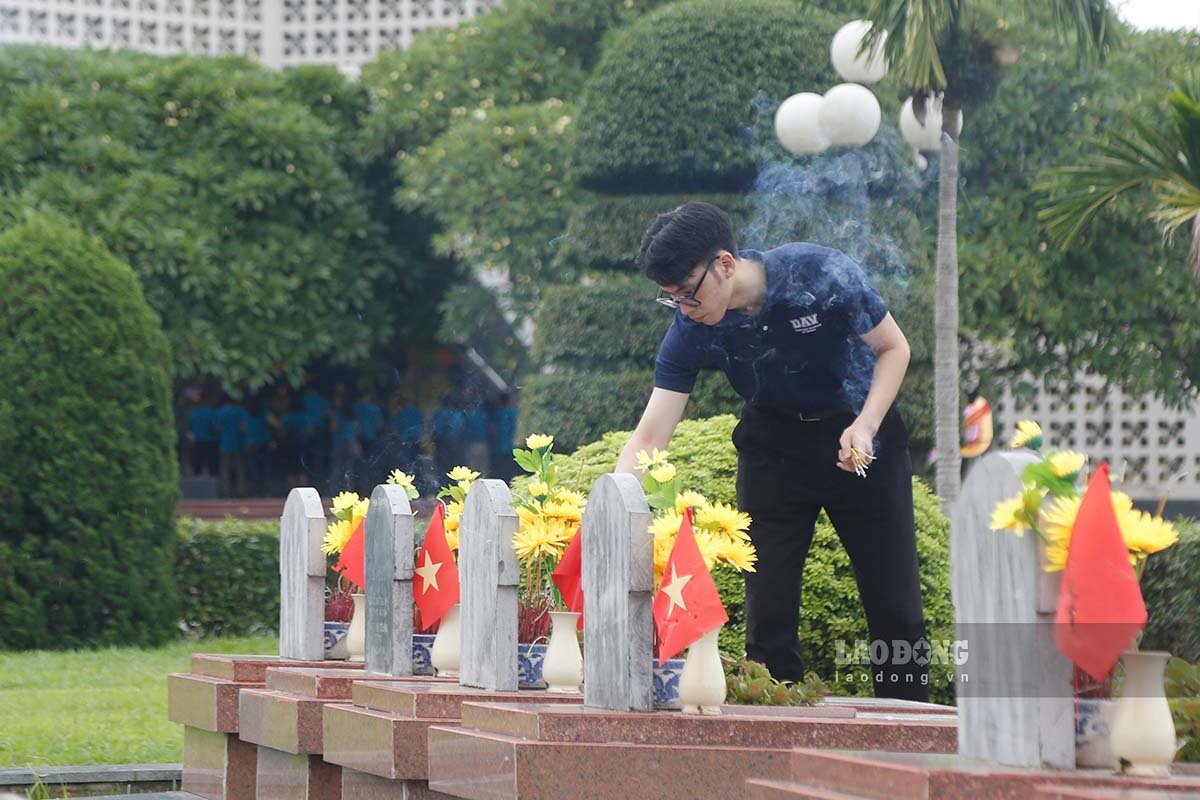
<point>435,575</point>
<point>1100,607</point>
<point>687,604</point>
<point>350,560</point>
<point>568,575</point>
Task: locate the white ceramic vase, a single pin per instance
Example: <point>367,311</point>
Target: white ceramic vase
<point>702,682</point>
<point>447,649</point>
<point>562,668</point>
<point>356,635</point>
<point>1143,731</point>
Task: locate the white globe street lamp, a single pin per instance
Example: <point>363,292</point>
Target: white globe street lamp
<point>849,115</point>
<point>928,136</point>
<point>843,51</point>
<point>797,127</point>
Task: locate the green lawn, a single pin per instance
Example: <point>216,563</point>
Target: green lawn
<point>97,706</point>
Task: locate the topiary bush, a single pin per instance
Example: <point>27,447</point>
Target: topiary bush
<point>87,522</point>
<point>703,452</point>
<point>1171,588</point>
<point>228,576</point>
<point>692,71</point>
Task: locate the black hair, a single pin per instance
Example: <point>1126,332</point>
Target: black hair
<point>677,241</point>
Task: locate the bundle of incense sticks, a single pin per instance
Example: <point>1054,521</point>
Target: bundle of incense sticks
<point>861,461</point>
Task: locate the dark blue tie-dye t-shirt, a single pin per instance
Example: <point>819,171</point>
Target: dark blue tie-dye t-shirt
<point>802,352</point>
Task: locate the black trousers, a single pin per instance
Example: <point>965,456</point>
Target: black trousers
<point>786,474</point>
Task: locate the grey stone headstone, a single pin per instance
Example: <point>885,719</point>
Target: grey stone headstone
<point>388,560</point>
<point>488,574</point>
<point>302,577</point>
<point>1017,708</point>
<point>618,585</point>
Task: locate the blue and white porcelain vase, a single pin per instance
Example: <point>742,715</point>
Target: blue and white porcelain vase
<point>666,683</point>
<point>335,641</point>
<point>422,658</point>
<point>530,658</point>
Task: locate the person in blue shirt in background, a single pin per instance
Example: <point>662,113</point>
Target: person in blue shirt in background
<point>810,346</point>
<point>369,417</point>
<point>316,408</point>
<point>406,428</point>
<point>345,443</point>
<point>202,428</point>
<point>475,439</point>
<point>447,427</point>
<point>504,434</point>
<point>232,422</point>
<point>258,444</point>
<point>296,443</point>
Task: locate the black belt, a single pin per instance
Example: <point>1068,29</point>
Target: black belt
<point>807,415</point>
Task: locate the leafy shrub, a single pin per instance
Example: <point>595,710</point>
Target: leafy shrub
<point>703,452</point>
<point>1171,588</point>
<point>692,70</point>
<point>228,575</point>
<point>89,470</point>
<point>525,51</point>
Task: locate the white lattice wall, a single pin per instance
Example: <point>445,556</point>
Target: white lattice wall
<point>1139,436</point>
<point>344,33</point>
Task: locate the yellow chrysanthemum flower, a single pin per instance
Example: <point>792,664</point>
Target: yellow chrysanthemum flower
<point>344,501</point>
<point>566,512</point>
<point>739,553</point>
<point>655,459</point>
<point>461,473</point>
<point>400,478</point>
<point>336,536</point>
<point>454,510</point>
<point>1067,463</point>
<point>538,441</point>
<point>536,540</point>
<point>1145,533</point>
<point>666,526</point>
<point>689,499</point>
<point>539,489</point>
<point>725,519</point>
<point>358,512</point>
<point>711,546</point>
<point>570,497</point>
<point>664,473</point>
<point>452,539</point>
<point>1028,433</point>
<point>1004,516</point>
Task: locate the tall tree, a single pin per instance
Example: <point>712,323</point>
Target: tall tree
<point>920,34</point>
<point>1163,158</point>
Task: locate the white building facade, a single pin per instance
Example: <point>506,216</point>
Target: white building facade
<point>278,33</point>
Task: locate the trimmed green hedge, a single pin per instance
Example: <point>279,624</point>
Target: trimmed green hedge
<point>89,476</point>
<point>692,71</point>
<point>1171,588</point>
<point>228,576</point>
<point>704,453</point>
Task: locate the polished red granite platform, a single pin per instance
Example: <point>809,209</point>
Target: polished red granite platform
<point>865,775</point>
<point>385,731</point>
<point>217,764</point>
<point>543,752</point>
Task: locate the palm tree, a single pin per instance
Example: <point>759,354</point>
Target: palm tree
<point>919,34</point>
<point>1166,159</point>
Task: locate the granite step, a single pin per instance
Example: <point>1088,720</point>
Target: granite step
<point>762,789</point>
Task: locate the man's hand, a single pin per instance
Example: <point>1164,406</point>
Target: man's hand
<point>856,447</point>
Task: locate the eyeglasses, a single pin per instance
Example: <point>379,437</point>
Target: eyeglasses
<point>689,299</point>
